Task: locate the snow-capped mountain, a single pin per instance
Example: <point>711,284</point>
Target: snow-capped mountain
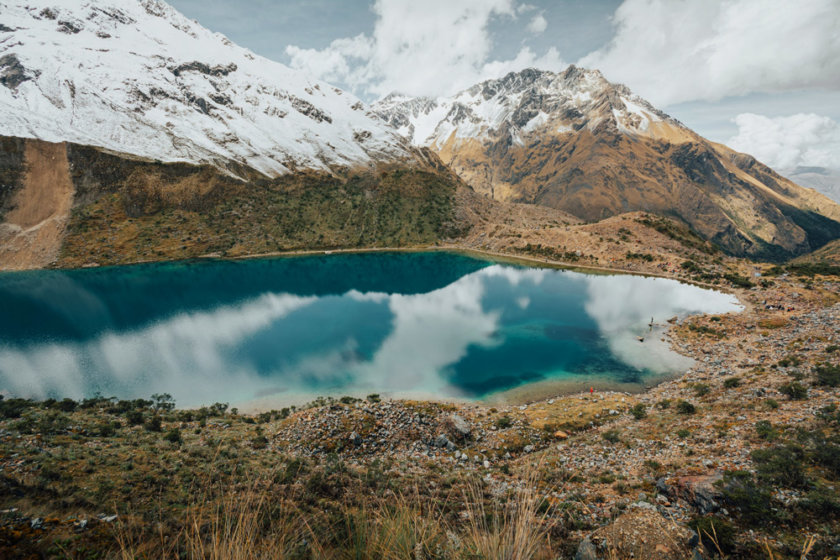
<point>576,142</point>
<point>526,103</point>
<point>137,77</point>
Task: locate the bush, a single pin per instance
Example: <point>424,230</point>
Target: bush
<point>781,465</point>
<point>108,429</point>
<point>716,534</point>
<point>794,390</point>
<point>765,430</point>
<point>135,417</point>
<point>682,433</point>
<point>611,436</point>
<point>503,422</point>
<point>791,360</point>
<point>374,397</point>
<point>639,411</point>
<point>13,408</point>
<point>829,413</point>
<point>663,404</point>
<point>66,405</point>
<point>731,383</point>
<point>828,374</point>
<point>738,280</point>
<point>827,455</point>
<point>753,501</point>
<point>154,424</point>
<point>701,389</point>
<point>173,436</point>
<point>821,501</point>
<point>685,407</point>
<point>772,404</point>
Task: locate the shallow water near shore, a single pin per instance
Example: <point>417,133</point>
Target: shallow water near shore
<point>436,325</point>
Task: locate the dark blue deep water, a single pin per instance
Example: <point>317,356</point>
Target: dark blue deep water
<point>430,324</point>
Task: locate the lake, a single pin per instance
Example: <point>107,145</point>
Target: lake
<point>429,324</point>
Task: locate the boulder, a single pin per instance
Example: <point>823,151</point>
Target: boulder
<point>460,428</point>
<point>699,491</point>
<point>640,533</point>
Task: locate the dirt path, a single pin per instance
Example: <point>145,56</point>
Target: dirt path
<point>30,236</point>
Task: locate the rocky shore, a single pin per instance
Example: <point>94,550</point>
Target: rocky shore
<point>754,419</point>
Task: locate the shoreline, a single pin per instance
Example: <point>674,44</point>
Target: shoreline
<point>522,394</point>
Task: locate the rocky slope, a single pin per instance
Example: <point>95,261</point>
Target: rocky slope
<point>137,77</point>
<point>576,142</point>
<point>68,205</point>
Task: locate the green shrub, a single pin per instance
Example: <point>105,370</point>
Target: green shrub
<point>738,280</point>
<point>831,348</point>
<point>731,383</point>
<point>374,397</point>
<point>154,424</point>
<point>766,431</point>
<point>753,501</point>
<point>503,422</point>
<point>828,374</point>
<point>788,361</point>
<point>701,389</point>
<point>829,413</point>
<point>716,534</point>
<point>663,404</point>
<point>685,407</point>
<point>794,390</point>
<point>682,433</point>
<point>135,417</point>
<point>108,429</point>
<point>827,454</point>
<point>173,436</point>
<point>772,404</point>
<point>781,465</point>
<point>611,436</point>
<point>821,501</point>
<point>639,411</point>
<point>13,408</point>
<point>67,405</point>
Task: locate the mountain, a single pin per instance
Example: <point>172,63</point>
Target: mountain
<point>822,179</point>
<point>137,77</point>
<point>576,142</point>
<point>130,133</point>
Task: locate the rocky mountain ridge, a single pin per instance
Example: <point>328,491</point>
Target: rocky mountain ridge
<point>575,142</point>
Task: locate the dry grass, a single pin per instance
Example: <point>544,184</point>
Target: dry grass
<point>506,531</point>
<point>235,525</point>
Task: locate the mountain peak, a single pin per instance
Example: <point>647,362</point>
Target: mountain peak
<point>526,102</point>
<point>140,78</point>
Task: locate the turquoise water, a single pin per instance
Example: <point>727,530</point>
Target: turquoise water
<point>431,324</point>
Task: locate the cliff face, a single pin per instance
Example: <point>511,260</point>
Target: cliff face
<point>575,142</point>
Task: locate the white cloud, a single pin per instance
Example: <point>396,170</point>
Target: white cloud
<point>672,51</point>
<point>788,142</point>
<point>538,24</point>
<point>423,48</point>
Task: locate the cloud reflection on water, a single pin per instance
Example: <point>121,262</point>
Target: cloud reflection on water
<point>202,357</point>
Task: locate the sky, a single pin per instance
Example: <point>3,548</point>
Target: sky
<point>762,76</point>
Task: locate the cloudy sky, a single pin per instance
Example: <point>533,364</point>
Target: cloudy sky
<point>760,75</point>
